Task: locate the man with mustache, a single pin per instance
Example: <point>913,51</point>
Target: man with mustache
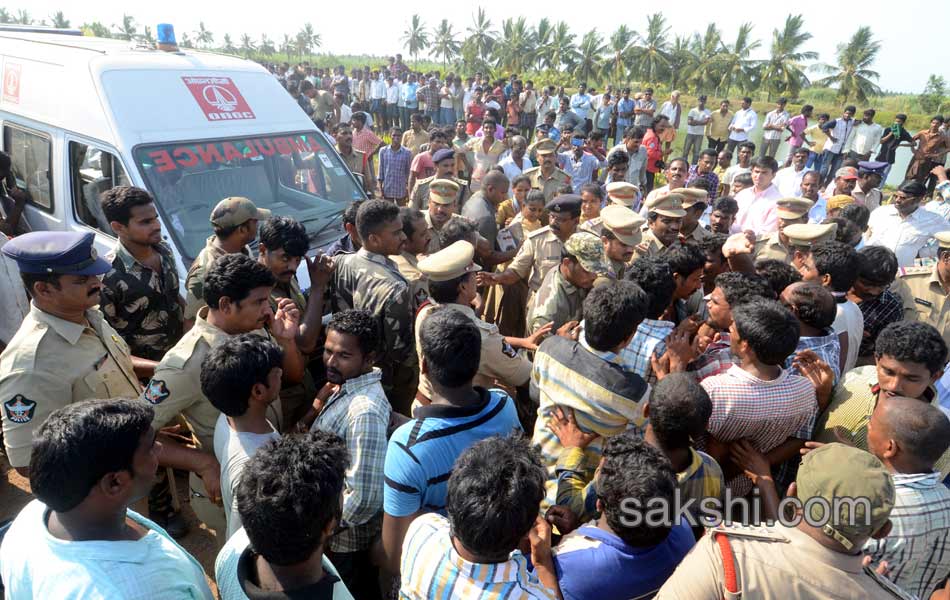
<point>65,351</point>
<point>237,292</point>
<point>283,246</point>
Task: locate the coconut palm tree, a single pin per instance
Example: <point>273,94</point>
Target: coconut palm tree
<point>784,72</point>
<point>289,46</point>
<point>542,42</point>
<point>514,50</point>
<point>247,46</point>
<point>703,76</point>
<point>5,16</point>
<point>444,43</point>
<point>481,37</point>
<point>734,62</point>
<point>308,40</point>
<point>415,37</point>
<point>651,55</point>
<point>563,51</point>
<point>96,29</point>
<point>266,46</point>
<point>127,30</point>
<point>682,61</point>
<point>228,47</point>
<point>621,42</point>
<point>590,57</point>
<point>186,41</point>
<point>23,17</point>
<point>852,75</point>
<point>203,37</point>
<point>59,20</point>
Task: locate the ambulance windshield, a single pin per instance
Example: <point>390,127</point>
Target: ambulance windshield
<point>297,175</point>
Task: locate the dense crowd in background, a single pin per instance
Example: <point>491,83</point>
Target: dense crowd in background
<point>553,311</point>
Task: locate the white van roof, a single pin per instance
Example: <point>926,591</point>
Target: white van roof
<point>127,94</point>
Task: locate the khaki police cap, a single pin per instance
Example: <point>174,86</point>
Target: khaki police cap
<point>443,191</point>
<point>589,252</point>
<point>622,193</point>
<point>623,223</point>
<point>809,234</point>
<point>693,196</point>
<point>449,263</point>
<point>545,146</point>
<point>793,208</point>
<point>943,238</point>
<point>235,211</point>
<point>669,204</point>
<point>839,201</point>
<point>835,472</point>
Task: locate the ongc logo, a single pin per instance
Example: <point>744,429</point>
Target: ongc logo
<point>219,98</point>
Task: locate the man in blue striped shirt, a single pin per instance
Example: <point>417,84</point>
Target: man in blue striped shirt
<point>421,453</point>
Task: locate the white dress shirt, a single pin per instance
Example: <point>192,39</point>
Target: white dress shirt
<point>774,117</point>
<point>789,181</point>
<point>908,236</point>
<point>700,116</point>
<point>511,169</point>
<point>757,210</point>
<point>392,93</point>
<point>864,138</point>
<point>745,118</point>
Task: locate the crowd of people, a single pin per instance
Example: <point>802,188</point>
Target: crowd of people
<point>549,318</point>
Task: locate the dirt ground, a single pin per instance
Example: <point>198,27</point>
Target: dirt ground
<point>200,542</point>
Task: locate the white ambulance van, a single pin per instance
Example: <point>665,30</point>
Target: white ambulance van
<point>80,115</point>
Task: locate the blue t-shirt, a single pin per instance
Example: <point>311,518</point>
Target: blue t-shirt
<point>593,563</point>
<point>421,453</point>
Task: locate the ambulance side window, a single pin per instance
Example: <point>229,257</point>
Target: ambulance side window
<point>30,154</point>
<point>91,172</point>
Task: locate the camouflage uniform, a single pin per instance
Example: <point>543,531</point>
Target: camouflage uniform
<point>194,282</point>
<point>142,305</point>
<point>372,282</point>
<point>408,265</point>
<point>557,301</point>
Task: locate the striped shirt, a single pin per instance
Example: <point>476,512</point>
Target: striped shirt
<point>359,413</point>
<point>422,451</point>
<point>715,360</point>
<point>851,407</point>
<point>878,313</point>
<point>917,549</point>
<point>700,480</point>
<point>765,412</point>
<point>606,398</point>
<point>649,339</point>
<point>432,568</point>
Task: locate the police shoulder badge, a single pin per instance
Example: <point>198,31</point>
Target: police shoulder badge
<point>19,409</point>
<point>156,391</point>
<point>508,350</point>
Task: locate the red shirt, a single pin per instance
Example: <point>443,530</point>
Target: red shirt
<point>654,153</point>
<point>476,115</point>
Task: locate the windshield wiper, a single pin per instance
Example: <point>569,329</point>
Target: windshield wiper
<point>313,237</point>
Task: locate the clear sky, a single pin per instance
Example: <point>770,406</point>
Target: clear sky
<point>908,54</point>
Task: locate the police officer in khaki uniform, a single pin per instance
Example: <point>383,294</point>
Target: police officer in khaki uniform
<point>452,283</point>
<point>235,226</point>
<point>619,193</point>
<point>444,161</point>
<point>561,296</point>
<point>64,351</point>
<point>808,561</point>
<point>926,290</point>
<point>547,177</point>
<point>790,211</point>
<point>175,387</point>
<point>694,203</point>
<point>664,219</point>
<point>418,236</point>
<point>621,233</point>
<point>802,237</point>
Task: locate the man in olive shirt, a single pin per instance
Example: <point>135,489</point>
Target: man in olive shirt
<point>775,245</point>
<point>235,226</point>
<point>560,298</point>
<point>664,218</point>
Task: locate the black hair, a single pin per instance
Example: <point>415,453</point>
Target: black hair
<point>634,132</point>
<point>461,228</point>
<point>612,312</point>
<point>653,273</point>
<point>374,214</point>
<point>618,157</point>
<point>921,429</point>
<point>679,411</point>
<point>814,305</point>
<point>738,288</point>
<point>839,260</point>
<point>80,444</point>
<point>451,347</point>
<point>410,217</point>
<point>494,493</point>
<point>846,231</point>
<point>234,276</point>
<point>681,159</point>
<point>726,205</point>
<point>857,214</point>
<point>31,279</point>
<point>118,202</point>
<point>713,244</point>
<point>285,233</point>
<point>360,324</point>
<point>708,152</point>
<point>851,109</point>
<point>594,189</point>
<point>743,178</point>
<point>231,369</point>
<point>913,188</point>
<point>446,292</point>
<point>290,490</point>
<point>877,265</point>
<point>766,162</point>
<point>914,342</point>
<point>685,258</point>
<point>778,273</point>
<point>634,471</point>
<point>770,329</point>
<point>535,196</point>
<point>749,145</point>
<point>520,179</point>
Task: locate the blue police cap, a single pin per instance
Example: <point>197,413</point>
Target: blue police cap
<point>565,203</point>
<point>56,252</point>
<point>872,166</point>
